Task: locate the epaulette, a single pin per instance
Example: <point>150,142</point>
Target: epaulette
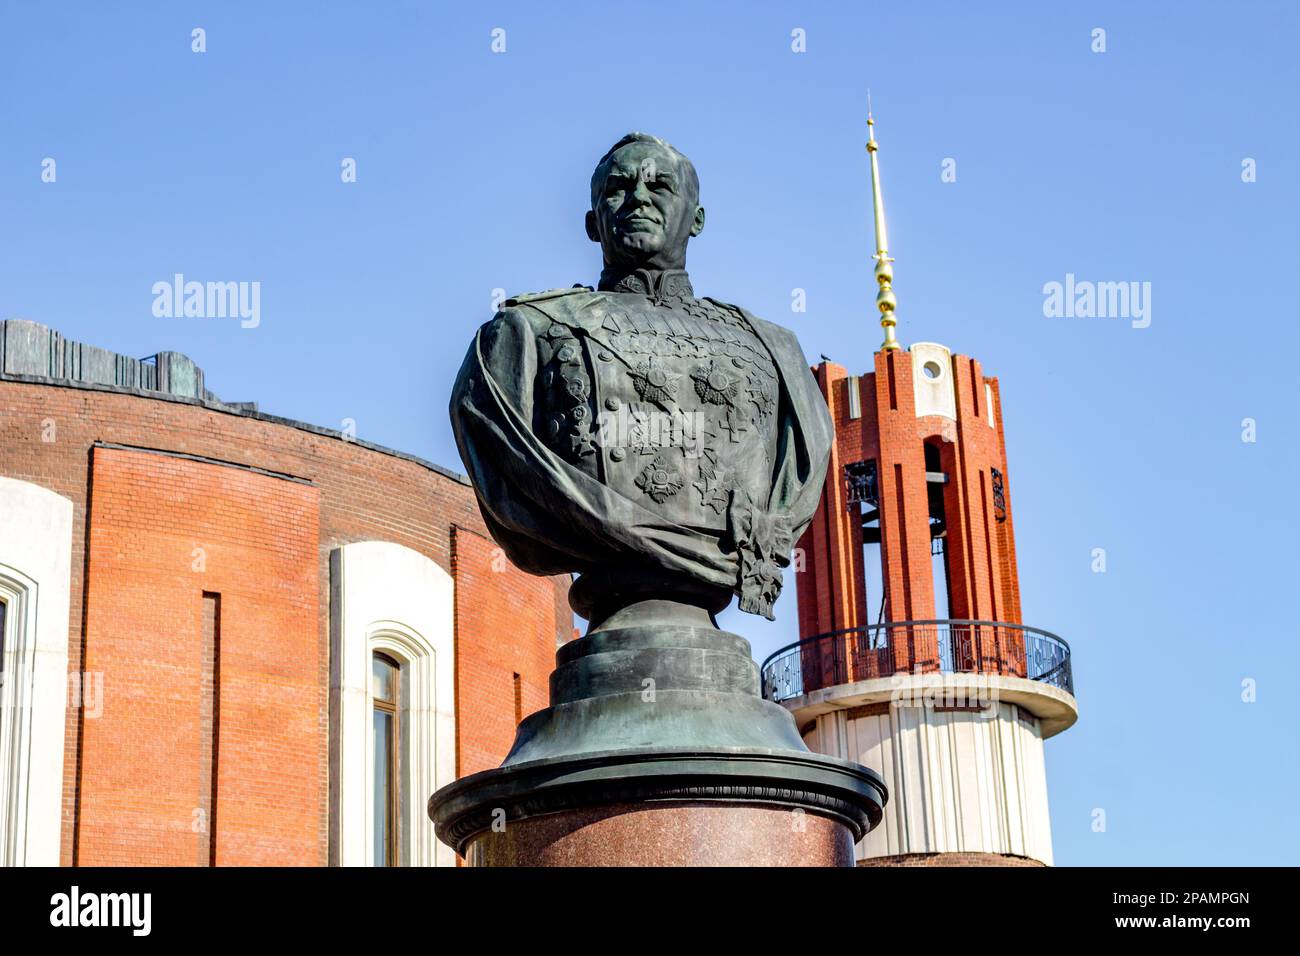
<point>734,309</point>
<point>548,294</point>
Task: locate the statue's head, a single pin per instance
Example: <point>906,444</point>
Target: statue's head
<point>645,204</point>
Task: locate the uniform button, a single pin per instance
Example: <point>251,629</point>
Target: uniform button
<point>617,454</point>
<point>605,357</point>
<point>612,404</point>
<point>567,354</point>
<point>580,413</point>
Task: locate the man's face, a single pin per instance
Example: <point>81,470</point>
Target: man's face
<point>647,209</point>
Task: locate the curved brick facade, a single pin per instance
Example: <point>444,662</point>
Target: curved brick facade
<point>200,526</point>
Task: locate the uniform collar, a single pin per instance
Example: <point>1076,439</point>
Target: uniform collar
<point>661,285</point>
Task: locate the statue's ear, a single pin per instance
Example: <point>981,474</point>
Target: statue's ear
<point>697,226</point>
<point>592,233</point>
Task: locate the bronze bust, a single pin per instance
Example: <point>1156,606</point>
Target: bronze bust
<point>665,447</point>
<point>669,449</point>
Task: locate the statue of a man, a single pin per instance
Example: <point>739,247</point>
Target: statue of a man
<point>665,447</point>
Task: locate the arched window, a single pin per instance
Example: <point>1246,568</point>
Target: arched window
<point>385,696</point>
<point>392,704</point>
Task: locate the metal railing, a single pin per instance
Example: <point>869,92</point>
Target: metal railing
<point>881,650</point>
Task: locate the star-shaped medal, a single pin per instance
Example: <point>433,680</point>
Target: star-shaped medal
<point>653,383</point>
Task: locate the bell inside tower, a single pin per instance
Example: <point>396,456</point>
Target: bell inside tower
<point>864,503</point>
<point>935,480</point>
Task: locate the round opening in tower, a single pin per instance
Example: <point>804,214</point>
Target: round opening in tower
<point>932,369</point>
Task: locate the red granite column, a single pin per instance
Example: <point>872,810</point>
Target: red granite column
<point>667,835</point>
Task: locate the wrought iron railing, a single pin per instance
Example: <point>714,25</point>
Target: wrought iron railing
<point>881,650</point>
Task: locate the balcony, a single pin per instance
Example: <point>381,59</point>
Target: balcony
<point>880,650</point>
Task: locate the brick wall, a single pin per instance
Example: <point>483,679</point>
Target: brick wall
<point>243,702</point>
<point>981,549</point>
<point>505,649</point>
<point>47,433</point>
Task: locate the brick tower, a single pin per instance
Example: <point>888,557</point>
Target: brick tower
<point>913,658</point>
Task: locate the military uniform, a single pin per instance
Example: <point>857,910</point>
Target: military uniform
<point>686,422</point>
<point>666,398</point>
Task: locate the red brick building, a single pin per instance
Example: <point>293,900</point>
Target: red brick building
<point>235,639</point>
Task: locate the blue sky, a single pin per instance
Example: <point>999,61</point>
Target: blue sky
<point>472,173</point>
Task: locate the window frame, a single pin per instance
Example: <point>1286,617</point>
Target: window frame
<point>4,642</point>
<point>392,707</point>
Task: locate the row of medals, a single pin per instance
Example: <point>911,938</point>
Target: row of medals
<point>734,372</point>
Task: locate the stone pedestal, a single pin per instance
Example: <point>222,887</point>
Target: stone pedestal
<point>669,834</point>
<point>657,750</point>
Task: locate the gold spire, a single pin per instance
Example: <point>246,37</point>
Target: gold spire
<point>885,300</point>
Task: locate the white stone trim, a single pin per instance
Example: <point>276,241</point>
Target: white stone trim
<point>937,395</point>
<point>386,597</point>
<point>958,781</point>
<point>35,577</point>
<point>1057,708</point>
